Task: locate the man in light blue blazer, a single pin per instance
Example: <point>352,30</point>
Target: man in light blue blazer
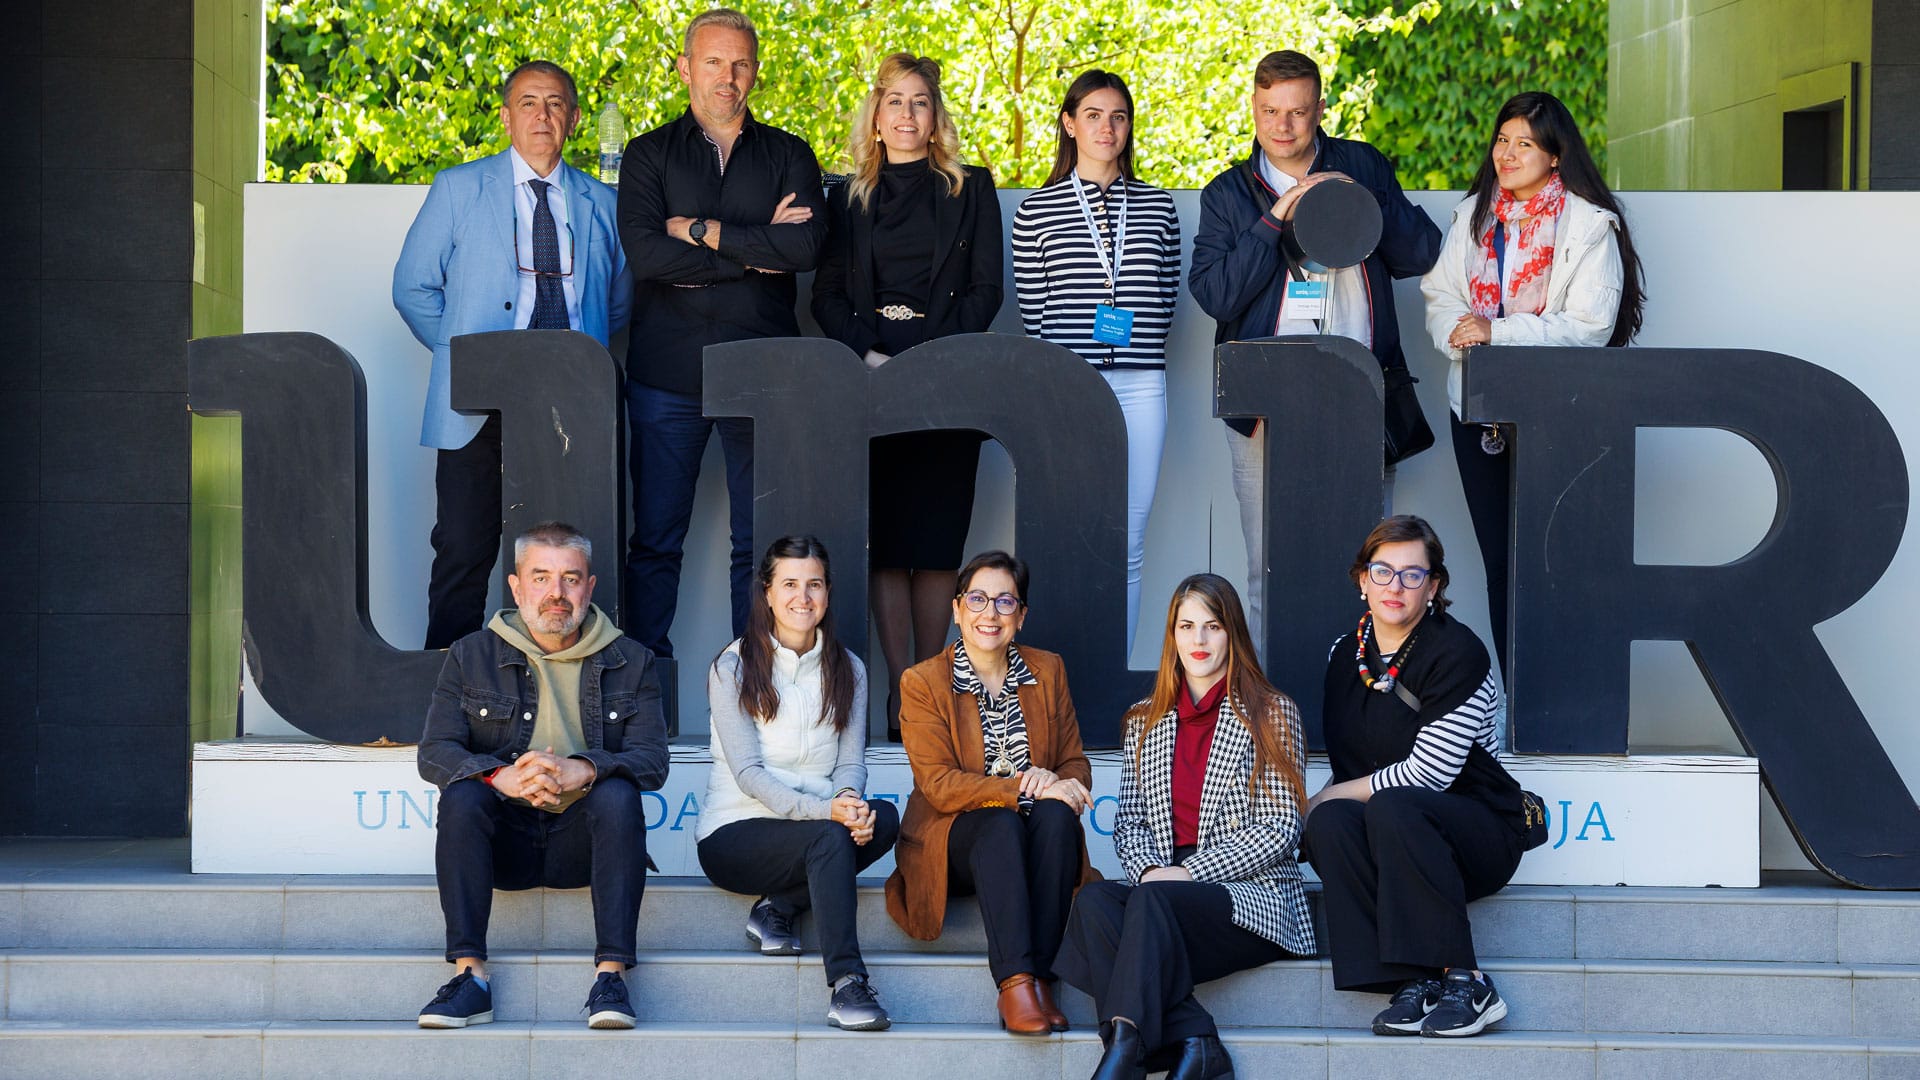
<point>519,240</point>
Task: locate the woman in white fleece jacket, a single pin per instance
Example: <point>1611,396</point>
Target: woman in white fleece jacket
<point>786,816</point>
<point>1538,254</point>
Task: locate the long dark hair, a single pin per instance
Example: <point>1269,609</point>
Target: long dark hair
<point>1067,152</point>
<point>758,698</point>
<point>1555,132</point>
<point>1247,686</point>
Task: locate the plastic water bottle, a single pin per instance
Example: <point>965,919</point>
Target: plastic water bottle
<point>613,140</point>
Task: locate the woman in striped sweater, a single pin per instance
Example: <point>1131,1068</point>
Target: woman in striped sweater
<point>1419,817</point>
<point>1096,265</point>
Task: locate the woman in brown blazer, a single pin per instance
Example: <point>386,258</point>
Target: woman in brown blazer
<point>999,782</point>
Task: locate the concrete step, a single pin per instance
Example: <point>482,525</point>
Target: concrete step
<point>683,986</point>
<point>1792,918</point>
<point>326,1051</point>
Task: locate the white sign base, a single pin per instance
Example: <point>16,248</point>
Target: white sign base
<point>280,806</point>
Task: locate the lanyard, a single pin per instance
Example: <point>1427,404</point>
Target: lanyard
<point>1119,232</point>
<point>1500,263</point>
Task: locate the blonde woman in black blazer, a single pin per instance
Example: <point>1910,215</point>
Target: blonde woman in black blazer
<point>913,253</point>
<point>1208,827</point>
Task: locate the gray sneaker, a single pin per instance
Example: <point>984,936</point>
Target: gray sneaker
<point>771,930</point>
<point>857,1008</point>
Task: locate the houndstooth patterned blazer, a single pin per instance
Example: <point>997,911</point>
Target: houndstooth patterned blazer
<point>1248,842</point>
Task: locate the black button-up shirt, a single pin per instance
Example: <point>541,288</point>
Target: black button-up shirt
<point>686,297</point>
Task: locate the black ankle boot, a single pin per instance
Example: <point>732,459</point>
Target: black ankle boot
<point>1122,1059</point>
<point>1202,1058</point>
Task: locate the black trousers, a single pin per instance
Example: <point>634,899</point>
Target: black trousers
<point>484,843</point>
<point>1139,950</point>
<point>1487,481</point>
<point>799,865</point>
<point>1023,867</point>
<point>466,536</point>
<point>1396,874</point>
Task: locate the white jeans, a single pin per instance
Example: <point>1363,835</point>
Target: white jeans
<point>1249,489</point>
<point>1142,394</point>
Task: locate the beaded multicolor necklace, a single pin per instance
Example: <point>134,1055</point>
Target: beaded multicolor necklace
<point>1385,684</point>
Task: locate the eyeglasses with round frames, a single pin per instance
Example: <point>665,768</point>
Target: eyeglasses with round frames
<point>1411,577</point>
<point>1005,603</point>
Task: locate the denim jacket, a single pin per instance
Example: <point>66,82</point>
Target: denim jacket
<point>483,709</point>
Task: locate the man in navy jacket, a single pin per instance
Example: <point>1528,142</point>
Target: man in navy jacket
<point>1240,268</point>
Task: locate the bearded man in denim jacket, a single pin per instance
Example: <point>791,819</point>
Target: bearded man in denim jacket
<point>544,730</point>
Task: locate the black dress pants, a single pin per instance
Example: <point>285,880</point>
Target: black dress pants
<point>466,536</point>
<point>483,843</point>
<point>1487,481</point>
<point>799,865</point>
<point>1023,867</point>
<point>1396,874</point>
<point>1139,950</point>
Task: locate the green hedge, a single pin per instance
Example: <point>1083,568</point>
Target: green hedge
<point>391,91</point>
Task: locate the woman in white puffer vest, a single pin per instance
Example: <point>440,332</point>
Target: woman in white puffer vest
<point>1538,254</point>
<point>786,816</point>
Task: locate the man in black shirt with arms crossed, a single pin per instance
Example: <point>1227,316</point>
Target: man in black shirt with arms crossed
<point>717,215</point>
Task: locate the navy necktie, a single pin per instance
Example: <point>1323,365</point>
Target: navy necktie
<point>549,302</point>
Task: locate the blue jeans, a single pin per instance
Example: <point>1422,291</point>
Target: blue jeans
<point>669,436</point>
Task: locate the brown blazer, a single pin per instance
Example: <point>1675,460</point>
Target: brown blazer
<point>945,746</point>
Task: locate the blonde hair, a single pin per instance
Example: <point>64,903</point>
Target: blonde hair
<point>725,18</point>
<point>866,153</point>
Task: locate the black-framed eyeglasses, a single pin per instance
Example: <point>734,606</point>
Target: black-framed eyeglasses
<point>1411,577</point>
<point>977,600</point>
<point>525,269</point>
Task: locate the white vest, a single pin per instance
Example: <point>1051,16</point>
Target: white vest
<point>796,746</point>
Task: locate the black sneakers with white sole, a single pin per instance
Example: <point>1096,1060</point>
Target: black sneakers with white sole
<point>1408,1009</point>
<point>1467,1005</point>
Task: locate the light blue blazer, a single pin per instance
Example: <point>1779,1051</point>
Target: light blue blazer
<point>456,273</point>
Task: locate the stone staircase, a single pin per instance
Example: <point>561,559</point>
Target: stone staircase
<point>116,962</point>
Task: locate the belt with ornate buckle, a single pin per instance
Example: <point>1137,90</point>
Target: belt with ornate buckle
<point>899,313</point>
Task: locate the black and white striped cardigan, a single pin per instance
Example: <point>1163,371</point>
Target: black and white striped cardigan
<point>1247,842</point>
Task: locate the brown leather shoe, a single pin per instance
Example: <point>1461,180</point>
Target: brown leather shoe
<point>1021,1011</point>
<point>1056,1019</point>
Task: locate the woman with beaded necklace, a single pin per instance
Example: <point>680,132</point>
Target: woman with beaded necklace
<point>1420,817</point>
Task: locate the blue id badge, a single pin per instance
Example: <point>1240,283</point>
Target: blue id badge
<point>1112,325</point>
<point>1305,300</point>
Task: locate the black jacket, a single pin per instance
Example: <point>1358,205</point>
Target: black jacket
<point>687,297</point>
<point>968,266</point>
<point>483,709</point>
<point>1239,271</point>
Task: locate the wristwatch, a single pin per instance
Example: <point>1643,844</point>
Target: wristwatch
<point>698,231</point>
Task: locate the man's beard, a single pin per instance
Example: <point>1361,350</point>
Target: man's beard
<point>555,621</point>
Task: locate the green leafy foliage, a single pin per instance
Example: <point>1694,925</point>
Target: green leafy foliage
<point>1437,84</point>
<point>391,91</point>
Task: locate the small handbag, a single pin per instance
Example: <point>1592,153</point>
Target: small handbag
<point>1406,424</point>
<point>1536,811</point>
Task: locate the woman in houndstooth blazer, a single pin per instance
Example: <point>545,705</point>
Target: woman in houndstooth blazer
<point>1208,823</point>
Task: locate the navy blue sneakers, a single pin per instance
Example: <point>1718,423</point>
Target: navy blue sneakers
<point>1467,1005</point>
<point>458,1004</point>
<point>1408,1010</point>
<point>607,1005</point>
